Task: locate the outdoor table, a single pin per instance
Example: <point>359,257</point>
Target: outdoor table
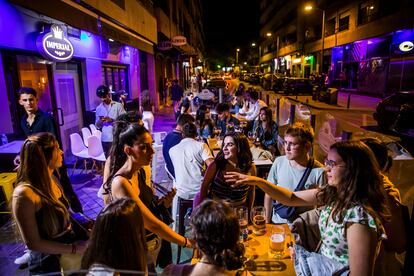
<point>258,260</point>
<point>8,152</point>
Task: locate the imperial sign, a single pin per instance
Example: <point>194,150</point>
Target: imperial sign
<point>164,45</point>
<point>179,40</point>
<point>54,45</point>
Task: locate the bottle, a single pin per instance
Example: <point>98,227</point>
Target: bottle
<point>4,139</point>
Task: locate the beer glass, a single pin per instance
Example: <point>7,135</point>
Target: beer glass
<point>258,216</point>
<point>277,241</point>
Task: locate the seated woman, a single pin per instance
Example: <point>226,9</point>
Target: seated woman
<point>127,179</point>
<point>215,230</point>
<point>204,122</point>
<point>121,219</point>
<point>235,156</point>
<point>40,207</point>
<point>265,131</point>
<point>395,229</point>
<point>354,206</point>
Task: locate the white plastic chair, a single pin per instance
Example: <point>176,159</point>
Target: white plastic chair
<point>93,128</point>
<point>148,120</point>
<point>95,150</point>
<point>79,150</point>
<point>158,137</point>
<point>97,133</point>
<point>86,133</point>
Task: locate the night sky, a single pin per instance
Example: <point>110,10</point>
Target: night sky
<point>229,24</point>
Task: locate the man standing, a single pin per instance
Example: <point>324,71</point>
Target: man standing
<point>287,170</point>
<point>36,120</point>
<point>106,113</point>
<point>177,93</point>
<point>189,159</point>
<point>225,119</point>
<point>253,113</point>
<point>173,138</point>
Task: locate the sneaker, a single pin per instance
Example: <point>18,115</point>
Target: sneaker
<point>24,259</point>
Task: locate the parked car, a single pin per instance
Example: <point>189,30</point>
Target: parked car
<point>214,84</point>
<point>396,112</point>
<point>266,80</point>
<point>298,86</point>
<point>254,78</point>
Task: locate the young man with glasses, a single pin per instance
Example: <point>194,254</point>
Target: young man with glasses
<point>288,170</point>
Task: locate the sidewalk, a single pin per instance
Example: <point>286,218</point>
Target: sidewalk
<point>360,103</point>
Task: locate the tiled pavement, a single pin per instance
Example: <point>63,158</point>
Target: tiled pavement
<point>86,186</point>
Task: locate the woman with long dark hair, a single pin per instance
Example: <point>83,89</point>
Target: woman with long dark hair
<point>204,122</point>
<point>354,205</point>
<point>235,156</point>
<point>265,130</point>
<point>127,179</point>
<point>215,230</point>
<point>40,207</point>
<point>121,219</point>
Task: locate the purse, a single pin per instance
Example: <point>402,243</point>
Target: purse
<point>82,225</point>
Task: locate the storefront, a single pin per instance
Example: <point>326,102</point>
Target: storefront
<point>376,66</point>
<point>65,78</point>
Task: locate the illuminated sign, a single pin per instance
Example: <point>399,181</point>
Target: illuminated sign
<point>308,58</point>
<point>297,60</point>
<point>164,45</point>
<point>54,45</point>
<point>179,40</point>
<point>406,46</point>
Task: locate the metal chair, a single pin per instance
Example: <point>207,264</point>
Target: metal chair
<point>95,150</point>
<point>79,150</point>
<point>86,133</point>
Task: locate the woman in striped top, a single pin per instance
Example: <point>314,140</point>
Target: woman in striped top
<point>235,156</point>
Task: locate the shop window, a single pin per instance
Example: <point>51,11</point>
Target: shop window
<point>116,77</point>
<point>330,27</point>
<point>343,22</point>
<point>367,12</point>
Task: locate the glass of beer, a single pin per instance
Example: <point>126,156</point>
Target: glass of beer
<point>277,241</point>
<point>243,216</point>
<point>258,216</point>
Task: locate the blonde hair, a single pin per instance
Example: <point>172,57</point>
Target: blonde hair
<point>35,155</point>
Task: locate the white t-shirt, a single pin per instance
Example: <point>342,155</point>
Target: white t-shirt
<point>283,174</point>
<point>188,158</point>
<point>112,110</point>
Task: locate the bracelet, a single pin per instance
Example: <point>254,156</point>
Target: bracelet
<point>73,249</point>
<point>185,242</point>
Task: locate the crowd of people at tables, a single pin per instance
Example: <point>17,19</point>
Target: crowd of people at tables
<point>359,220</point>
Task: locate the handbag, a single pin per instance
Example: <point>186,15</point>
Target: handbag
<point>306,230</point>
<point>289,212</point>
<point>82,225</point>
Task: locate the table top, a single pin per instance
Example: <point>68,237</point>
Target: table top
<point>260,263</point>
<point>12,147</point>
<point>258,260</point>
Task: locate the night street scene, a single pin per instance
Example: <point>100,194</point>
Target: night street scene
<point>206,137</point>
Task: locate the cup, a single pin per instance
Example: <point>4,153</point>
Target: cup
<point>243,217</point>
<point>258,216</point>
<point>277,242</point>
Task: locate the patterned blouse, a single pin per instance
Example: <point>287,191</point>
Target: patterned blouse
<point>220,189</point>
<point>333,235</point>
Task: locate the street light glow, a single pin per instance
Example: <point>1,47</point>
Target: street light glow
<point>269,34</point>
<point>308,8</point>
<point>238,50</point>
<point>244,63</point>
<point>253,44</point>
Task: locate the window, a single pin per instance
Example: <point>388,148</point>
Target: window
<point>343,22</point>
<point>368,11</point>
<point>330,27</point>
<point>115,76</point>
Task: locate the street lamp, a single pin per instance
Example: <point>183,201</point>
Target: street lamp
<point>309,8</point>
<point>237,55</point>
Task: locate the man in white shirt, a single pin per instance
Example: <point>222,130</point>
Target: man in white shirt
<point>253,113</point>
<point>189,159</point>
<point>106,113</point>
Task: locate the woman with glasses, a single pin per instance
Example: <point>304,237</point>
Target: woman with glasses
<point>354,207</point>
<point>235,156</point>
<point>127,179</point>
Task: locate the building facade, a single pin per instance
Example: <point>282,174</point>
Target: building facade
<point>359,49</point>
<point>107,43</point>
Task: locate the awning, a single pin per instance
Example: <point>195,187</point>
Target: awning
<point>79,17</point>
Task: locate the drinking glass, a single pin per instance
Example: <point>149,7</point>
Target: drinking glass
<point>258,216</point>
<point>243,216</point>
<point>277,241</point>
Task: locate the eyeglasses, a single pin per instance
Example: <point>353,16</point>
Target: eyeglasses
<point>331,164</point>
